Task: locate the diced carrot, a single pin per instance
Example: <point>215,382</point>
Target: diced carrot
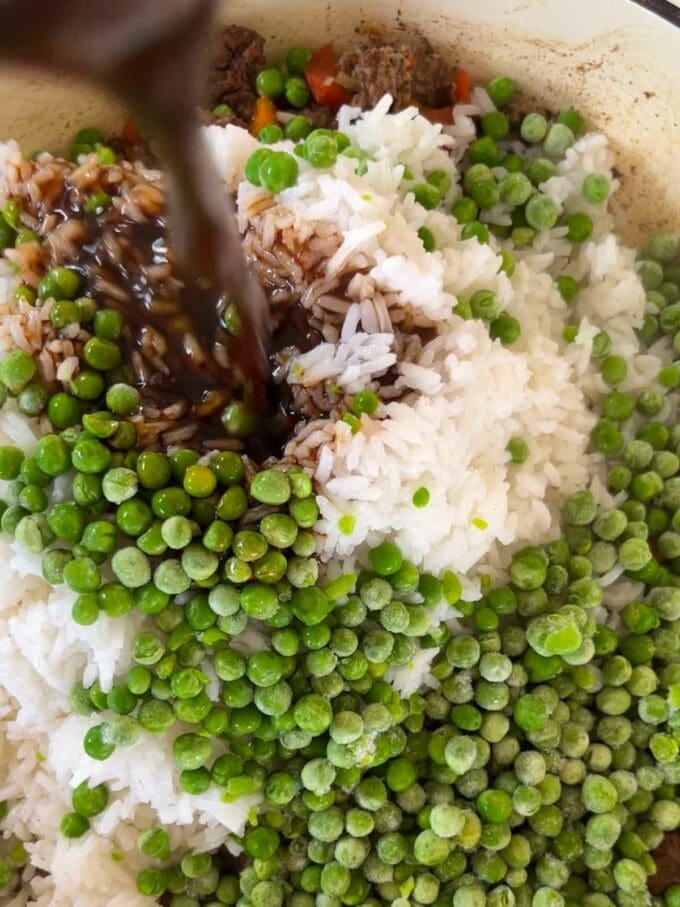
<point>321,72</point>
<point>129,133</point>
<point>263,115</point>
<point>443,115</point>
<point>461,87</point>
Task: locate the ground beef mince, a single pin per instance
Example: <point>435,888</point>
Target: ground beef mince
<point>319,116</point>
<point>431,76</point>
<point>409,72</point>
<point>238,56</point>
<point>667,859</point>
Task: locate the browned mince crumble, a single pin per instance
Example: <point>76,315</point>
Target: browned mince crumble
<point>667,860</point>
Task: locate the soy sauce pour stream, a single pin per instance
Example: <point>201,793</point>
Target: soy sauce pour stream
<point>151,54</point>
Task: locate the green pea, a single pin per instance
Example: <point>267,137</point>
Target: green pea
<point>134,517</point>
<point>228,467</point>
<point>534,128</point>
<point>465,210</point>
<point>82,575</point>
<point>558,139</point>
<point>67,521</point>
<point>270,82</point>
<point>11,459</point>
<point>87,385</point>
<point>579,226</point>
<point>63,410</point>
<point>426,236</point>
<point>595,188</point>
<point>270,134</point>
<point>541,212</point>
<point>123,399</point>
<point>298,128</point>
<point>125,437</point>
<point>59,283</point>
<point>33,499</point>
<point>73,825</point>
<point>279,529</point>
<point>515,189</point>
<point>485,304</point>
<point>505,328</point>
<point>115,599</point>
<point>22,293</point>
<point>614,369</point>
<point>495,125</point>
<point>191,751</point>
<point>426,195</point>
<point>271,487</point>
<point>101,354</point>
<point>238,419</point>
<point>501,90</point>
<point>297,59</point>
<point>17,370</point>
<point>297,92</point>
<point>279,171</point>
<point>321,148</point>
<point>254,164</point>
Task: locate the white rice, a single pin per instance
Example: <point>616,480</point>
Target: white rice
<point>465,396</point>
<point>43,653</point>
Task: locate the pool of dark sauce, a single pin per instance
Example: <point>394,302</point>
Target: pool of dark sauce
<point>151,54</point>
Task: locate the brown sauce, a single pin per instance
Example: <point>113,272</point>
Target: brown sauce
<point>115,263</point>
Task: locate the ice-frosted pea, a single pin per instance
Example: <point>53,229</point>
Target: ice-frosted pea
<point>580,509</point>
<point>119,484</point>
<point>169,576</point>
<point>131,567</point>
<point>33,533</point>
<point>541,212</point>
<point>302,572</point>
<point>376,593</point>
<point>610,524</point>
<point>558,138</point>
<point>447,820</point>
<point>177,531</point>
<point>198,563</point>
<point>630,876</point>
<point>279,529</point>
<point>634,554</point>
<point>663,246</point>
<point>460,754</point>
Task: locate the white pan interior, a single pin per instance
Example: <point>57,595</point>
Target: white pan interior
<point>613,60</point>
